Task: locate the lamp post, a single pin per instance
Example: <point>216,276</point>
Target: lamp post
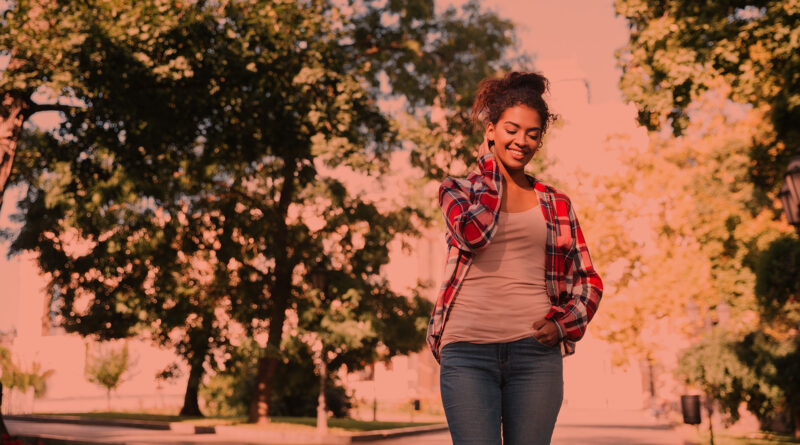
<point>790,192</point>
<point>319,281</point>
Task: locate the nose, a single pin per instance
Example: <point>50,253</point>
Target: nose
<point>521,140</point>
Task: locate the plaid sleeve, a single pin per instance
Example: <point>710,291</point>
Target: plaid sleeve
<point>469,207</point>
<point>587,287</point>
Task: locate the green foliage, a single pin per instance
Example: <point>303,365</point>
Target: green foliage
<point>687,194</point>
<point>15,376</point>
<point>760,368</point>
<point>714,366</point>
<point>776,363</point>
<point>168,374</point>
<point>679,52</point>
<point>778,281</point>
<point>207,163</point>
<point>108,366</point>
<point>679,49</point>
<point>774,352</point>
<point>296,387</point>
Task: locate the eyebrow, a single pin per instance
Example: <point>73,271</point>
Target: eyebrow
<point>518,126</point>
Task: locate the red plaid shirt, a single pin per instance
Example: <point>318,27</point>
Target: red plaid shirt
<point>471,207</point>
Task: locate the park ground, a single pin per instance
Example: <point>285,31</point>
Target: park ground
<point>575,426</point>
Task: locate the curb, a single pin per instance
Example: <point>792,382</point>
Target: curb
<point>144,424</point>
<point>46,439</point>
<point>180,427</point>
<point>294,437</point>
<point>227,431</point>
<point>397,432</point>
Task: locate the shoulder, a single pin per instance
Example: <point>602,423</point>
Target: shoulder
<point>555,194</point>
<point>561,201</point>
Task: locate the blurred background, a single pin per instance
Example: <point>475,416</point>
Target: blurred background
<point>226,208</point>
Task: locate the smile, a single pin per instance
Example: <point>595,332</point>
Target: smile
<point>517,154</point>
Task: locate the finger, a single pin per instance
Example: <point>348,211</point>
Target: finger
<point>484,147</point>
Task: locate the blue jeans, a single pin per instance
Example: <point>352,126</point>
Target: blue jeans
<point>519,384</point>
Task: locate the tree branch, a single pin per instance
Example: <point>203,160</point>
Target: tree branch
<point>35,108</point>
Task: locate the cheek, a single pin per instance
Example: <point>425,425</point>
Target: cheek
<point>502,138</point>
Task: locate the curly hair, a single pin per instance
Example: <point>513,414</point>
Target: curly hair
<point>495,95</point>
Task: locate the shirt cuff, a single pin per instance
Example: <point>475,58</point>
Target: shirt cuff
<point>483,160</point>
<point>560,329</point>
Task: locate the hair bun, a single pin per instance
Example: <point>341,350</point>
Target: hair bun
<point>533,81</point>
<point>494,95</point>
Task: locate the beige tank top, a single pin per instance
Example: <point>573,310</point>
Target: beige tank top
<point>503,292</point>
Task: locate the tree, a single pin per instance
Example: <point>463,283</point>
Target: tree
<point>677,52</point>
<point>229,392</point>
<point>679,49</point>
<point>714,365</point>
<point>687,194</point>
<point>249,107</point>
<point>346,321</point>
<point>682,248</point>
<point>16,376</point>
<point>86,39</point>
<point>5,367</point>
<point>41,40</point>
<point>109,367</point>
<point>774,350</point>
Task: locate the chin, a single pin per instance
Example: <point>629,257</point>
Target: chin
<point>513,164</point>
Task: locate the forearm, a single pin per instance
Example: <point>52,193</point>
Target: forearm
<point>470,213</point>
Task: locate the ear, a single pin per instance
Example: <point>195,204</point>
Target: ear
<point>490,129</point>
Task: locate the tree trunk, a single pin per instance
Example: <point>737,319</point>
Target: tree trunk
<point>198,338</point>
<point>47,302</point>
<point>710,409</point>
<point>322,409</point>
<point>259,407</point>
<point>280,295</point>
<point>12,115</point>
<point>3,429</point>
<point>796,416</point>
<point>190,405</point>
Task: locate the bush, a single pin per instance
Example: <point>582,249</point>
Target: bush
<point>294,393</point>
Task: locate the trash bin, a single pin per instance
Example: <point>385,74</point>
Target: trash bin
<point>690,406</point>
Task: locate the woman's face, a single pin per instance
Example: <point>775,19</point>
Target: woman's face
<point>516,136</point>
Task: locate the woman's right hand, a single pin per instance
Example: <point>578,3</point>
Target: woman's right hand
<point>484,147</point>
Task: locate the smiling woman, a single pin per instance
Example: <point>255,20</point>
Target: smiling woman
<point>518,264</point>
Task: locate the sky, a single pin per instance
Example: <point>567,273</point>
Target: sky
<point>572,42</point>
<point>568,39</point>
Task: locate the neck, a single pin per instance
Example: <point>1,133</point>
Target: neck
<point>514,178</point>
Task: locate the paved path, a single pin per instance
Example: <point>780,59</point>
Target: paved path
<point>585,427</point>
<point>112,434</point>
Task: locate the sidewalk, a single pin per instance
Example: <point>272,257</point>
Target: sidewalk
<point>613,427</point>
<point>575,426</point>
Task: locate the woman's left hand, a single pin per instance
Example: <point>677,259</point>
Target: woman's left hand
<point>546,332</point>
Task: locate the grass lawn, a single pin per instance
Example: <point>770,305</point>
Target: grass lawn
<point>278,423</point>
<point>349,424</point>
<point>724,438</point>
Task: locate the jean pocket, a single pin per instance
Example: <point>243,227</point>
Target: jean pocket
<point>537,342</point>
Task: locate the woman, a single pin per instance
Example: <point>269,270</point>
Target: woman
<point>519,281</point>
